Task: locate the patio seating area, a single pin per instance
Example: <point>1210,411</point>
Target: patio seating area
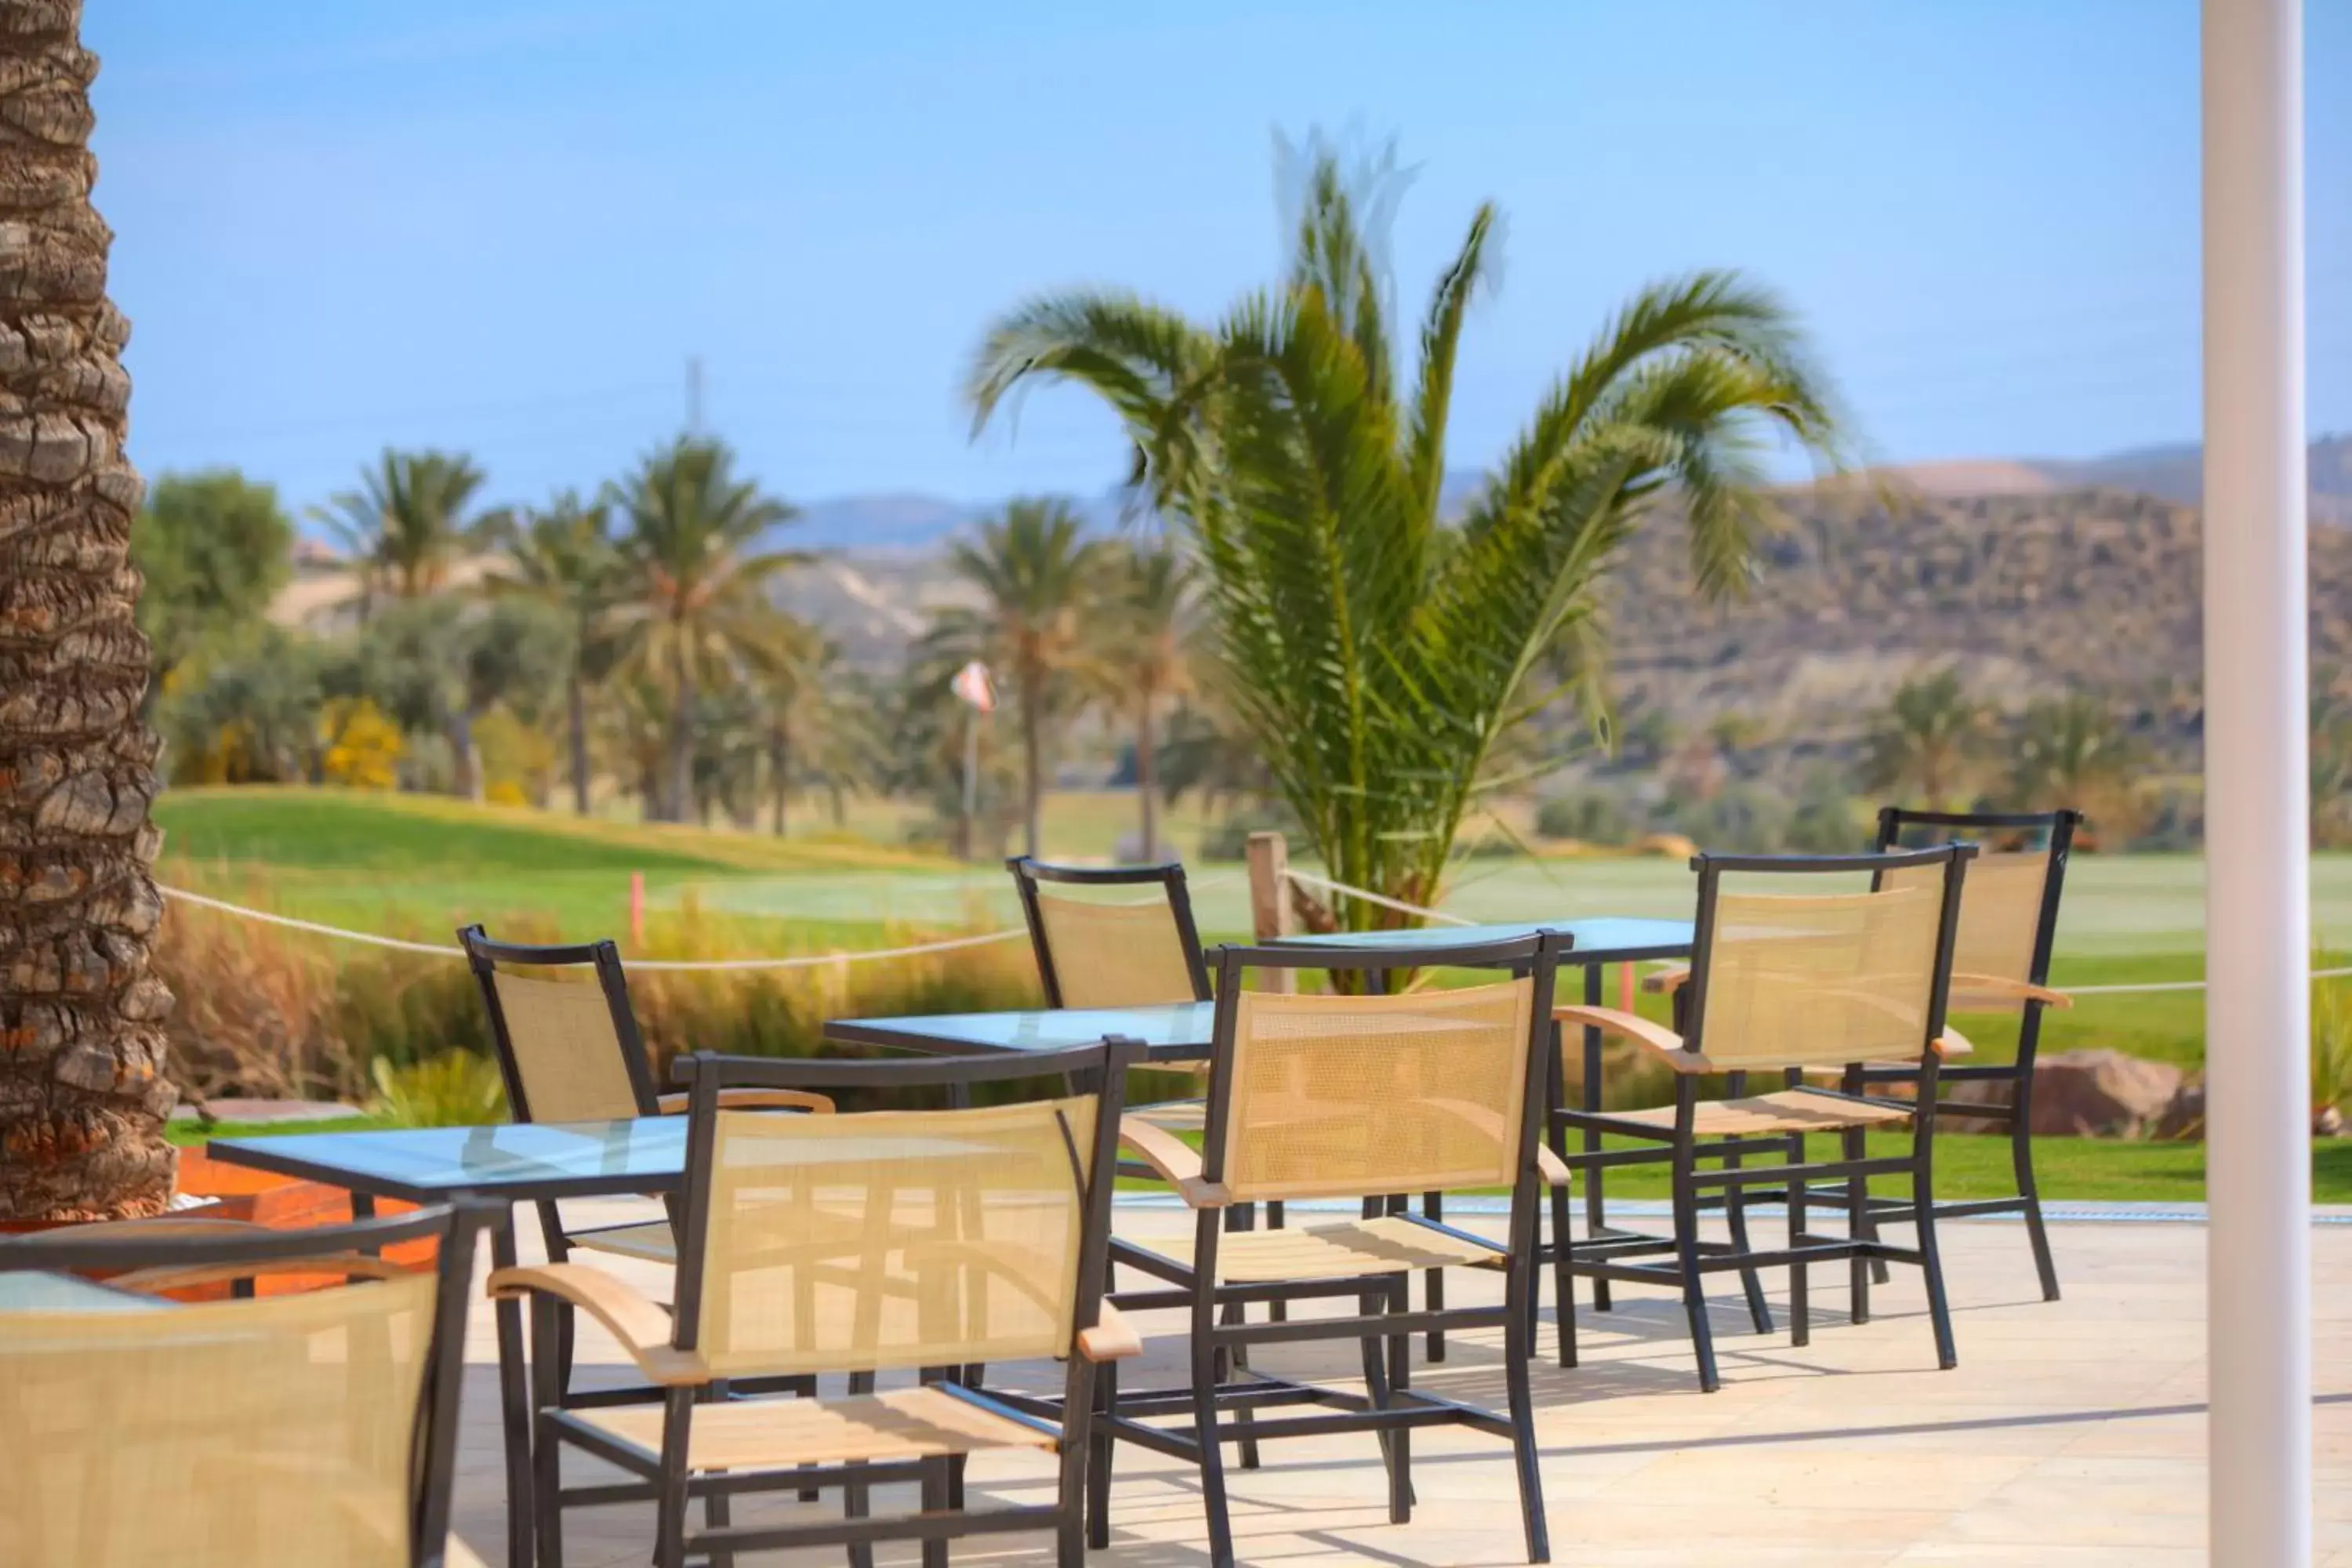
<point>2073,1437</point>
<point>890,1303</point>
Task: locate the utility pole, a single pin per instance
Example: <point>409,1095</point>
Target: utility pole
<point>694,395</point>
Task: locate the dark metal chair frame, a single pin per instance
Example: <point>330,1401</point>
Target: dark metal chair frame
<point>1219,1338</point>
<point>2057,829</point>
<point>453,1228</point>
<point>1608,1258</point>
<point>484,955</point>
<point>1168,875</point>
<point>670,1486</point>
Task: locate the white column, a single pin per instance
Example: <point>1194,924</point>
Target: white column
<point>2257,807</point>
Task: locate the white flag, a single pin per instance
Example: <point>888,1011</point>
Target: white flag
<point>971,683</point>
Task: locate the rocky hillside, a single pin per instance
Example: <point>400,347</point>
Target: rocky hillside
<point>2032,594</point>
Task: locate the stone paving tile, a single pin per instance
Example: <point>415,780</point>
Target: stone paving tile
<point>2072,1435</point>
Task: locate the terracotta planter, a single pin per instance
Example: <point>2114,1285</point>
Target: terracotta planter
<point>280,1203</point>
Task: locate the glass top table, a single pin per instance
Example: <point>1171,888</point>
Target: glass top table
<point>519,1162</point>
<point>35,1290</point>
<point>1178,1032</point>
<point>1608,939</point>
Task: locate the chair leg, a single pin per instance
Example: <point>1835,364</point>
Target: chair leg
<point>549,1317</point>
<point>1801,1318</point>
<point>669,1488</point>
<point>1518,1348</point>
<point>1211,1453</point>
<point>1860,1225</point>
<point>1279,1312</point>
<point>1229,1360</point>
<point>858,1502</point>
<point>1376,1380</point>
<point>717,1511</point>
<point>1399,1379</point>
<point>857,1497</point>
<point>2020,1153</point>
<point>1931,1263</point>
<point>935,1500</point>
<point>1563,1255</point>
<point>1101,1450</point>
<point>1735,1215</point>
<point>1433,1207</point>
<point>1693,1284</point>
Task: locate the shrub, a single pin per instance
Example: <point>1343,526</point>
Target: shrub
<point>1595,816</point>
<point>269,1012</point>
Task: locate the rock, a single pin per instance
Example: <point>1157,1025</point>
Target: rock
<point>2102,1094</point>
<point>2327,1122</point>
<point>2184,1119</point>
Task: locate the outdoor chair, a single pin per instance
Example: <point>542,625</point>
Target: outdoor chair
<point>569,1050</point>
<point>1367,1097</point>
<point>286,1431</point>
<point>2000,964</point>
<point>1099,945</point>
<point>929,1241</point>
<point>1784,982</point>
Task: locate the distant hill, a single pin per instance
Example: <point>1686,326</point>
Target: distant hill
<point>2175,473</point>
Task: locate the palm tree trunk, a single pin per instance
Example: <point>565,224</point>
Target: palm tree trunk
<point>83,1091</point>
<point>681,736</point>
<point>780,756</point>
<point>468,779</point>
<point>577,718</point>
<point>1147,775</point>
<point>1033,762</point>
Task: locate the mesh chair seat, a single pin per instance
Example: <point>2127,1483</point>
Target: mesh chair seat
<point>762,1434</point>
<point>1794,1110</point>
<point>1392,1244</point>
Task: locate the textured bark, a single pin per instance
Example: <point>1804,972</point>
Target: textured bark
<point>82,1090</point>
<point>1146,770</point>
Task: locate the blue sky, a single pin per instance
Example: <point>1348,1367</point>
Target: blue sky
<point>504,225</point>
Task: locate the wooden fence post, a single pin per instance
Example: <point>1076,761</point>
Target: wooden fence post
<point>1269,868</point>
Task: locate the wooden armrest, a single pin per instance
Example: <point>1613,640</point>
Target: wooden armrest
<point>1176,1161</point>
<point>643,1329</point>
<point>1112,1337</point>
<point>1665,981</point>
<point>1639,1030</point>
<point>752,1099</point>
<point>2022,990</point>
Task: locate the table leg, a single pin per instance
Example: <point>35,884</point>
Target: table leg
<point>514,1401</point>
<point>1594,1220</point>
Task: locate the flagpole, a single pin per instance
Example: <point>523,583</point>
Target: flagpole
<point>971,776</point>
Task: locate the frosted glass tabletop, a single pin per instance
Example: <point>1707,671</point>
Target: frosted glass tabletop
<point>519,1160</point>
<point>36,1291</point>
<point>1175,1032</point>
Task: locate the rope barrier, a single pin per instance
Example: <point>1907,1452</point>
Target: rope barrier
<point>799,960</point>
<point>951,944</point>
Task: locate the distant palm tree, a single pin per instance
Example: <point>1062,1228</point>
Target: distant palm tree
<point>409,523</point>
<point>1040,579</point>
<point>1375,650</point>
<point>2071,751</point>
<point>1928,739</point>
<point>1146,627</point>
<point>562,554</point>
<point>694,610</point>
<point>821,728</point>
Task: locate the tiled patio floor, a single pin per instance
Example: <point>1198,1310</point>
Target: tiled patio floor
<point>2072,1435</point>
